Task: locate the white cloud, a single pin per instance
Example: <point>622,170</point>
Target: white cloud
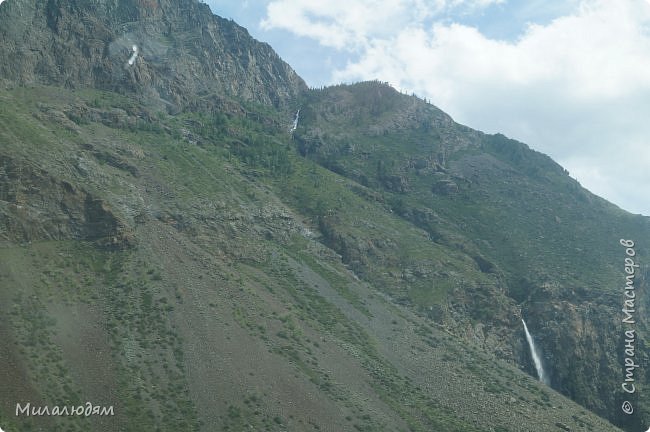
<point>353,24</point>
<point>577,88</point>
<point>340,24</point>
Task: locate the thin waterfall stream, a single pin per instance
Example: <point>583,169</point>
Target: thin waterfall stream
<point>536,354</point>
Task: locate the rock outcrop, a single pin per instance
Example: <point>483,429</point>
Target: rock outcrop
<point>37,206</point>
<point>175,52</point>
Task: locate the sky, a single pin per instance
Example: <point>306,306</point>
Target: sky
<point>570,78</point>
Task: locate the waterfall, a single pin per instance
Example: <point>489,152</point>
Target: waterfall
<point>294,126</point>
<point>537,357</point>
<point>134,55</point>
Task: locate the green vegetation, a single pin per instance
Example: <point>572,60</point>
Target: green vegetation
<point>360,275</point>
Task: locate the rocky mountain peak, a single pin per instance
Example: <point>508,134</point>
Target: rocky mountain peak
<point>176,52</point>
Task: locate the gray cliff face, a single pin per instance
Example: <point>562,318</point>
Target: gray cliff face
<point>185,55</point>
<point>35,206</point>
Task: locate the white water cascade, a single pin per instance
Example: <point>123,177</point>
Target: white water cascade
<point>537,357</point>
<point>134,56</point>
<point>294,126</point>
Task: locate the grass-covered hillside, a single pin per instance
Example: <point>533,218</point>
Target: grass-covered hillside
<point>203,271</point>
<point>509,234</point>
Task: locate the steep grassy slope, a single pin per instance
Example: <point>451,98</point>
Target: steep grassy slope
<point>533,242</point>
<point>198,273</point>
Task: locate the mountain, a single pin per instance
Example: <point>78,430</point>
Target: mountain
<point>191,56</point>
<point>169,248</point>
<point>532,242</point>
